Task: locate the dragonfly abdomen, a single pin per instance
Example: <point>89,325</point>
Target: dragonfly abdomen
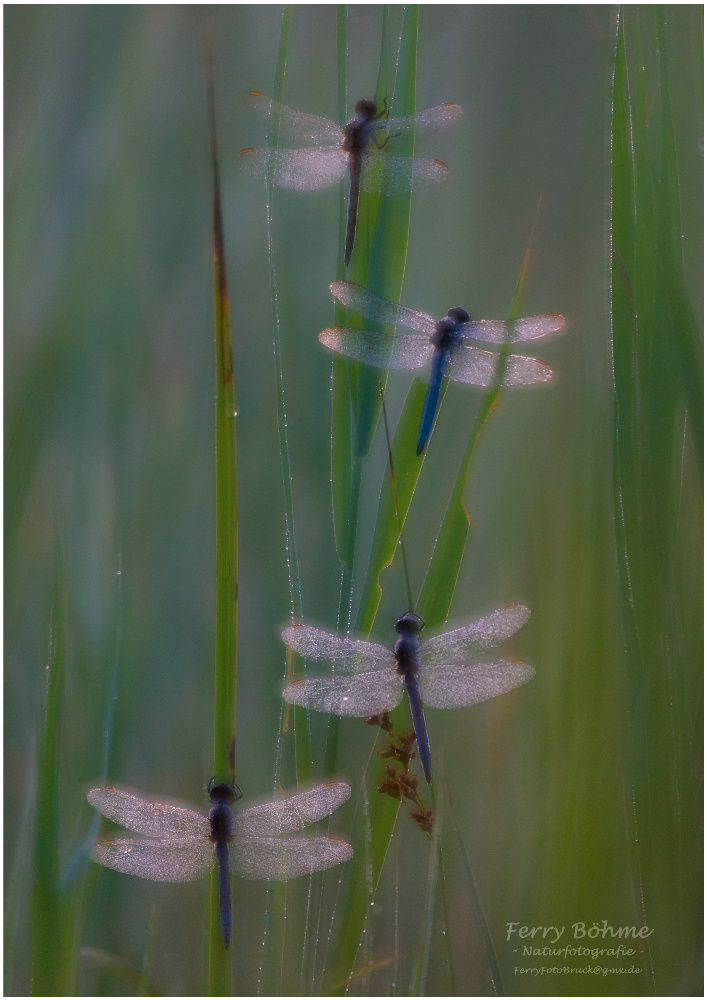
<point>439,359</point>
<point>417,711</point>
<point>224,890</point>
<point>355,172</point>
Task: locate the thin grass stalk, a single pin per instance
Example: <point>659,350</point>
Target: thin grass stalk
<point>274,957</point>
<point>298,716</point>
<point>351,382</point>
<point>51,947</point>
<point>418,978</point>
<point>219,966</point>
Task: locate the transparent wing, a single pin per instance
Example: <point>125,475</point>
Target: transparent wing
<point>462,644</point>
<point>294,124</point>
<point>440,116</point>
<point>498,331</point>
<point>159,860</point>
<point>346,655</point>
<point>157,819</point>
<point>360,696</point>
<point>477,367</point>
<point>380,310</point>
<point>404,350</point>
<point>455,686</point>
<point>261,858</point>
<point>292,813</point>
<point>299,169</point>
<point>392,174</point>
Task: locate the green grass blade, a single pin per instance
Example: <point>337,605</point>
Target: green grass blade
<point>354,390</point>
<point>383,267</point>
<point>657,383</point>
<point>418,979</point>
<point>407,471</point>
<point>385,274</point>
<point>441,577</point>
<point>219,967</point>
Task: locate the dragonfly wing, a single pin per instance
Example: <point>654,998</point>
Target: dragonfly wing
<point>293,124</point>
<point>279,860</point>
<point>159,860</point>
<point>391,174</point>
<point>366,694</point>
<point>478,367</point>
<point>460,645</point>
<point>455,686</point>
<point>403,350</point>
<point>440,116</point>
<point>299,169</point>
<point>380,310</point>
<point>157,819</point>
<point>498,331</point>
<point>293,813</point>
<point>346,655</point>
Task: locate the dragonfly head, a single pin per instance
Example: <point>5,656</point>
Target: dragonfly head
<point>223,793</point>
<point>366,109</point>
<point>458,315</point>
<point>409,624</point>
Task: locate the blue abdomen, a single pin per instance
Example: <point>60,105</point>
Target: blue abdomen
<point>430,405</point>
<point>420,726</point>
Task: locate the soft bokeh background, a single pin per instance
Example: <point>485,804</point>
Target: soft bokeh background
<point>109,456</point>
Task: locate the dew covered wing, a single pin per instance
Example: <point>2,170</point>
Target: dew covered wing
<point>279,860</point>
<point>475,366</point>
<point>457,687</point>
<point>298,169</point>
<point>294,125</point>
<point>359,696</point>
<point>345,655</point>
<point>391,174</point>
<point>288,815</point>
<point>403,350</point>
<point>375,307</point>
<point>159,860</point>
<point>156,819</point>
<point>463,644</point>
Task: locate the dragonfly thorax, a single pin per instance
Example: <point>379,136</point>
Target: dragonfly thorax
<point>357,132</point>
<point>221,816</point>
<point>407,648</point>
<point>446,333</point>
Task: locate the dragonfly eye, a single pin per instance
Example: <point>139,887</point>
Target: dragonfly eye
<point>458,315</point>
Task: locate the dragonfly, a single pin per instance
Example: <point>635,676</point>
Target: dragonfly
<point>182,844</point>
<point>369,679</point>
<point>355,146</point>
<point>449,343</point>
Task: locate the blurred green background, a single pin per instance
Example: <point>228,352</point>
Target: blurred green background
<point>110,454</point>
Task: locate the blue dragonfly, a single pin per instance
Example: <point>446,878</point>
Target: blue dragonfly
<point>182,844</point>
<point>369,679</point>
<point>356,147</point>
<point>449,343</point>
